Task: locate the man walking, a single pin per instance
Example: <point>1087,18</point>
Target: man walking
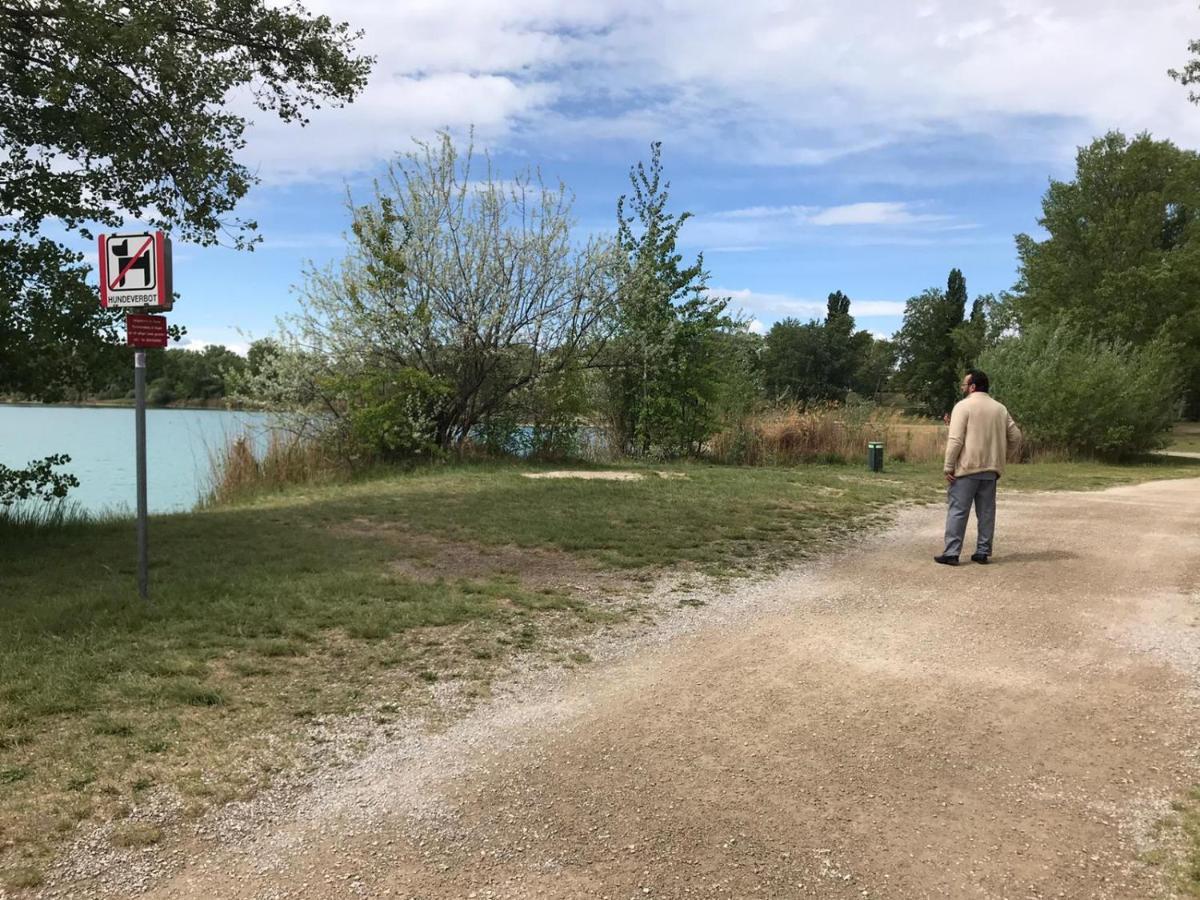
<point>981,432</point>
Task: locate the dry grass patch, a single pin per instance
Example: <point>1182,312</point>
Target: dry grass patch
<point>792,435</point>
<point>587,474</point>
<point>135,834</point>
<point>22,878</point>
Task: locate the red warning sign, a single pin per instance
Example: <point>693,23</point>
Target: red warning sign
<point>145,330</point>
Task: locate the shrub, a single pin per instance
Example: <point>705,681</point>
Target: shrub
<point>38,480</point>
<point>388,414</point>
<point>1081,395</point>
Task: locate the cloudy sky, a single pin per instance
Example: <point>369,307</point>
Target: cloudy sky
<point>821,145</point>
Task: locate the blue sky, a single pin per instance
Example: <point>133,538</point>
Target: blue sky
<point>821,145</point>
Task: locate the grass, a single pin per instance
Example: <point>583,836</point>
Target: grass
<point>1177,844</point>
<point>303,604</point>
<point>1189,818</point>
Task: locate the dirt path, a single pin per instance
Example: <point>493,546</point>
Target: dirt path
<point>872,726</point>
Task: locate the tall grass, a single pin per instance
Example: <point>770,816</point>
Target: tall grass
<point>789,435</point>
<point>40,516</point>
<point>238,472</point>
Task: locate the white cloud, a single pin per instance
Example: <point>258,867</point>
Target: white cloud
<point>768,307</point>
<point>872,214</point>
<point>387,118</point>
<point>757,227</point>
<point>797,83</point>
<point>228,337</point>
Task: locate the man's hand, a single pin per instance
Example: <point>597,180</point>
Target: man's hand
<point>950,479</point>
<point>946,418</point>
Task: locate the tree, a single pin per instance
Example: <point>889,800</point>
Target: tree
<point>845,348</point>
<point>668,358</point>
<point>55,340</point>
<point>1190,73</point>
<point>971,338</point>
<point>191,375</point>
<point>935,345</point>
<point>956,296</point>
<point>1122,258</point>
<point>110,110</point>
<point>458,294</point>
<point>796,362</point>
<point>875,368</point>
<point>259,355</point>
<point>819,361</point>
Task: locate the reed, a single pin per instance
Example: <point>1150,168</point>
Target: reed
<point>239,472</point>
<point>791,435</point>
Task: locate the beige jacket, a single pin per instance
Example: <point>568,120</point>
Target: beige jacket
<point>981,435</point>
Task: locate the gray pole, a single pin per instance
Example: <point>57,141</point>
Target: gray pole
<point>139,391</point>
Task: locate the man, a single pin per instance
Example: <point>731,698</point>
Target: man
<point>981,433</point>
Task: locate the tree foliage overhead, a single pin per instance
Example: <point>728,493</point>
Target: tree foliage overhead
<point>1190,73</point>
<point>1122,256</point>
<point>112,108</point>
<point>123,110</point>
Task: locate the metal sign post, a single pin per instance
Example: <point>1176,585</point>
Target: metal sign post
<point>143,548</point>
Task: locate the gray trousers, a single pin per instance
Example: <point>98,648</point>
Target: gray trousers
<point>977,489</point>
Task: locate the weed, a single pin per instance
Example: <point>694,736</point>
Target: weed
<point>22,878</point>
<point>135,834</point>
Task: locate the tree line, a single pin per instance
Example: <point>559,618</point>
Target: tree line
<point>1097,346</point>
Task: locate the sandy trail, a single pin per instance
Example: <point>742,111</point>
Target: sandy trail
<point>871,726</point>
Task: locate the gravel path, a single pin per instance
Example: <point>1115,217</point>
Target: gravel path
<point>872,725</point>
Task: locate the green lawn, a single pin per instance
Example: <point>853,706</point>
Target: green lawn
<point>358,597</point>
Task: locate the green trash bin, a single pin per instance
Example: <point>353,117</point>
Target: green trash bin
<point>875,456</point>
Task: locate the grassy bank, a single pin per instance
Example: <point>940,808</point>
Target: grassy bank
<point>359,597</point>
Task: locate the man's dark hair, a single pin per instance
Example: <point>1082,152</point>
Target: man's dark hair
<point>979,379</point>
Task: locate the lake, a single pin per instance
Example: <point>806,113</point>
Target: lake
<point>100,442</point>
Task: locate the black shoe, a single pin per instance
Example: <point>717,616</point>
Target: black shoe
<point>980,558</point>
<point>946,560</point>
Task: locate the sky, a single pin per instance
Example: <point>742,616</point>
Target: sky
<point>867,147</point>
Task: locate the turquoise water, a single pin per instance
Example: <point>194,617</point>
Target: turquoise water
<point>100,443</point>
